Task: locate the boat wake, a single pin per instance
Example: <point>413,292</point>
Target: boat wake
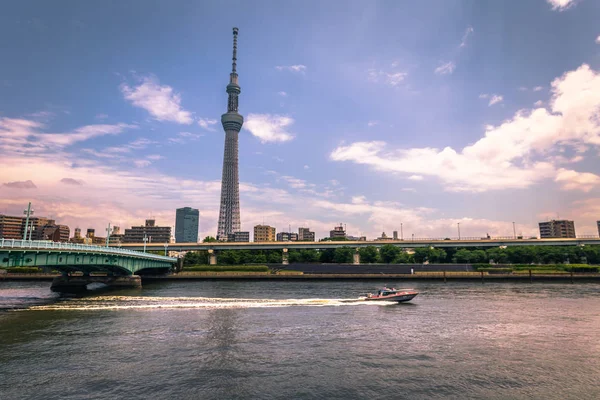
<point>151,303</point>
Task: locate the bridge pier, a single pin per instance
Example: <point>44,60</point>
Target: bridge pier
<point>78,284</point>
<point>212,257</point>
<point>356,257</point>
<point>285,257</point>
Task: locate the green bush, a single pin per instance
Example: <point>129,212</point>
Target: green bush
<point>23,270</point>
<point>227,268</point>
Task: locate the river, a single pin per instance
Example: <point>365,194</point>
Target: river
<point>301,340</point>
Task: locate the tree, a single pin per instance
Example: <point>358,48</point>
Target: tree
<point>343,255</point>
<point>388,253</point>
<point>368,254</point>
<point>209,239</point>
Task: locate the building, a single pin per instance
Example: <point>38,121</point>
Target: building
<point>385,237</point>
<point>55,233</point>
<point>186,225</point>
<point>77,234</point>
<point>338,232</point>
<point>152,233</point>
<point>264,233</point>
<point>238,237</point>
<point>11,227</point>
<point>395,235</point>
<point>116,237</point>
<point>357,238</point>
<point>305,235</point>
<point>229,212</point>
<point>287,237</point>
<point>598,223</point>
<point>557,229</point>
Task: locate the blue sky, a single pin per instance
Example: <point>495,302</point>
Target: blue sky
<point>371,114</point>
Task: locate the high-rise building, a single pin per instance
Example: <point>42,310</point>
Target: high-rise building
<point>304,234</point>
<point>287,237</point>
<point>557,229</point>
<point>238,236</point>
<point>55,233</point>
<point>598,223</point>
<point>229,213</point>
<point>186,225</point>
<point>338,232</point>
<point>11,227</point>
<point>90,233</point>
<point>264,233</point>
<point>395,235</point>
<point>77,234</point>
<point>152,233</point>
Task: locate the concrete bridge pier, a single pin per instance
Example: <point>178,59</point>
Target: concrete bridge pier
<point>212,257</point>
<point>285,257</point>
<point>78,284</point>
<point>356,257</point>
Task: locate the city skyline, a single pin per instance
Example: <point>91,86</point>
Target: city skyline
<point>361,116</point>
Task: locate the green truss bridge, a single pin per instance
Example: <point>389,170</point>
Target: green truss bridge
<point>83,264</point>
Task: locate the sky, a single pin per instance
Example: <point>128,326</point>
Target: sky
<point>381,115</point>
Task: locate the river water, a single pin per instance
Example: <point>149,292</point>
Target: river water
<point>301,340</point>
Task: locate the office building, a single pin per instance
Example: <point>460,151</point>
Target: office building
<point>186,225</point>
<point>116,237</point>
<point>264,233</point>
<point>238,237</point>
<point>152,233</point>
<point>11,227</point>
<point>395,235</point>
<point>598,223</point>
<point>287,237</point>
<point>384,237</point>
<point>338,232</point>
<point>55,233</point>
<point>305,235</point>
<point>557,229</point>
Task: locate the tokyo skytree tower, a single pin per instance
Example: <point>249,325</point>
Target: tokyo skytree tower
<point>229,213</point>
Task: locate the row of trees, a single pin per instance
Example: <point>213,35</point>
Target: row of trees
<point>392,254</point>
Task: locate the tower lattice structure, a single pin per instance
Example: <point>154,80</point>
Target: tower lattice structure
<point>229,213</point>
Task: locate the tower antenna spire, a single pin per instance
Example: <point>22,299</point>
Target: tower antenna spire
<point>234,59</point>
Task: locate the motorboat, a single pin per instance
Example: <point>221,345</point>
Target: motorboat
<point>387,294</point>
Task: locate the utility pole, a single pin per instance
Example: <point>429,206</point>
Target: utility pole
<point>401,233</point>
<point>145,240</point>
<point>514,231</point>
<point>107,234</point>
<point>458,224</point>
<point>27,212</point>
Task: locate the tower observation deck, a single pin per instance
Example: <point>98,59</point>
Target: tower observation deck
<point>229,212</point>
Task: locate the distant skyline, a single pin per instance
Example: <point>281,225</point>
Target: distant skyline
<point>370,114</point>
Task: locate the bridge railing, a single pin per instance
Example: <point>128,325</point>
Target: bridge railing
<point>49,245</point>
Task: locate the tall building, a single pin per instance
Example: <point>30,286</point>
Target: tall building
<point>229,213</point>
<point>338,232</point>
<point>287,237</point>
<point>304,234</point>
<point>557,229</point>
<point>55,233</point>
<point>186,225</point>
<point>598,223</point>
<point>238,236</point>
<point>264,233</point>
<point>11,227</point>
<point>153,233</point>
<point>395,235</point>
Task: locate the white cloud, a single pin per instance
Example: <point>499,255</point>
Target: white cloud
<point>495,99</point>
<point>484,96</point>
<point>207,123</point>
<point>282,94</point>
<point>372,123</point>
<point>391,78</point>
<point>28,184</point>
<point>598,39</point>
<point>141,163</point>
<point>538,88</point>
<point>155,157</point>
<point>306,167</point>
<point>573,180</point>
<point>299,68</point>
<point>561,5</point>
<point>416,177</point>
<point>538,103</point>
<point>445,69</point>
<point>466,35</point>
<point>269,127</point>
<point>160,101</point>
<point>511,155</point>
<point>523,89</point>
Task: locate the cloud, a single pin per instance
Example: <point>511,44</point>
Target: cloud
<point>391,78</point>
<point>445,69</point>
<point>269,127</point>
<point>160,101</point>
<point>306,167</point>
<point>207,123</point>
<point>561,5</point>
<point>101,116</point>
<point>282,94</point>
<point>538,103</point>
<point>598,39</point>
<point>495,99</point>
<point>184,137</point>
<point>573,180</point>
<point>416,177</point>
<point>372,123</point>
<point>513,154</point>
<point>155,157</point>
<point>538,88</point>
<point>20,185</point>
<point>299,68</point>
<point>141,163</point>
<point>71,181</point>
<point>466,35</point>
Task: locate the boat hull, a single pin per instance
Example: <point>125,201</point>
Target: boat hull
<point>399,298</point>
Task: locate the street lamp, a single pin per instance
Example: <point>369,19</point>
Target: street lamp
<point>514,231</point>
<point>27,212</point>
<point>458,225</point>
<point>108,234</point>
<point>145,240</point>
<point>401,233</point>
<point>166,245</point>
